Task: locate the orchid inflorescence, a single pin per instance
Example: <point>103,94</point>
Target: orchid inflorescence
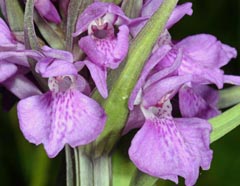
<point>170,103</point>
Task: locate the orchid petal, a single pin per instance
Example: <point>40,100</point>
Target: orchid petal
<point>150,64</point>
<point>230,79</point>
<point>166,71</point>
<point>21,87</point>
<point>163,149</point>
<point>178,13</point>
<point>6,35</point>
<point>49,67</point>
<point>47,10</point>
<point>88,45</point>
<point>6,70</point>
<point>99,75</point>
<point>206,50</point>
<point>135,120</point>
<point>193,105</point>
<point>121,49</point>
<point>57,54</point>
<point>95,11</point>
<point>56,119</point>
<point>165,87</point>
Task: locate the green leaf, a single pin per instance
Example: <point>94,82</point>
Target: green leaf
<point>132,8</point>
<point>14,15</point>
<point>225,122</point>
<point>50,32</point>
<point>31,40</point>
<point>112,1</point>
<point>75,8</point>
<point>116,106</point>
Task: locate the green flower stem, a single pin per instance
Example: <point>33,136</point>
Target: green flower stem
<point>116,104</point>
<point>102,171</point>
<point>86,169</point>
<point>69,167</point>
<point>229,97</point>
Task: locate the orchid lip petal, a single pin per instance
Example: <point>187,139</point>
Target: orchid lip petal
<point>167,148</point>
<point>59,118</point>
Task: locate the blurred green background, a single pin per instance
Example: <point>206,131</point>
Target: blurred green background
<point>24,164</point>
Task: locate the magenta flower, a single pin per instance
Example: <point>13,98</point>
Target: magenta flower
<point>14,64</point>
<point>167,147</point>
<point>202,57</point>
<point>63,115</point>
<point>106,44</point>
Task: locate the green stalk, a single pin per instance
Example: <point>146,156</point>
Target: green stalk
<point>86,174</point>
<point>102,171</point>
<point>225,122</point>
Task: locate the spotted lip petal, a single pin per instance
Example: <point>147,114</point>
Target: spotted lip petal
<point>56,119</point>
<point>107,52</point>
<point>167,148</point>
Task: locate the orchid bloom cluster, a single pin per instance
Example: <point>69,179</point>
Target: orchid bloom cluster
<point>170,104</point>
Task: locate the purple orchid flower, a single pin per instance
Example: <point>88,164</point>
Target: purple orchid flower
<point>105,48</point>
<point>201,56</point>
<point>64,114</point>
<point>14,64</point>
<point>168,147</point>
<point>47,10</point>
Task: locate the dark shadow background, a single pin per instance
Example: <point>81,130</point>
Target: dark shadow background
<point>22,164</point>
